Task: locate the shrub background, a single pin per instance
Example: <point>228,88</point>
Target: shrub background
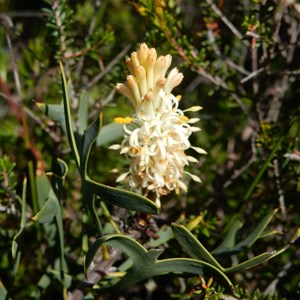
<point>240,60</point>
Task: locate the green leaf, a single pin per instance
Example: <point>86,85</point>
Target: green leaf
<point>259,259</point>
<point>124,243</point>
<point>17,237</point>
<point>88,138</point>
<point>3,291</point>
<point>263,168</point>
<point>44,282</point>
<point>83,111</point>
<point>256,233</point>
<point>229,240</point>
<point>122,198</point>
<point>48,211</point>
<point>16,254</point>
<point>146,263</point>
<point>57,275</point>
<point>68,117</point>
<point>55,112</point>
<point>60,168</point>
<point>165,233</point>
<point>109,133</point>
<point>192,246</point>
<point>43,188</point>
<point>52,209</point>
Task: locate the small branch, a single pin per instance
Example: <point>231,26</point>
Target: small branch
<point>253,74</point>
<point>295,27</point>
<point>291,72</point>
<point>254,69</point>
<point>239,172</point>
<point>23,14</point>
<point>226,21</point>
<point>9,25</point>
<point>221,83</point>
<point>90,32</point>
<point>228,61</point>
<point>108,68</point>
<point>279,189</point>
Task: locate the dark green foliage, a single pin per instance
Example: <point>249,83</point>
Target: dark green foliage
<point>240,61</point>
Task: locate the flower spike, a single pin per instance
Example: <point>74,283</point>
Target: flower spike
<point>156,136</point>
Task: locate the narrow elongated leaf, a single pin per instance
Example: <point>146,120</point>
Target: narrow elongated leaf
<point>17,240</point>
<point>254,261</point>
<point>255,234</point>
<point>68,117</point>
<point>192,246</point>
<point>52,209</point>
<point>59,222</point>
<point>229,240</point>
<point>263,168</point>
<point>83,111</point>
<point>60,169</point>
<point>122,198</point>
<point>3,290</point>
<point>110,133</point>
<point>165,233</point>
<point>17,237</point>
<point>88,138</point>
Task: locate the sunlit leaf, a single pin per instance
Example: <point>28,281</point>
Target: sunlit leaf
<point>83,111</point>
<point>43,187</point>
<point>3,290</point>
<point>110,133</point>
<point>55,112</point>
<point>48,211</point>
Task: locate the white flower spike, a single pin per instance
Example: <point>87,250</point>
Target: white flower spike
<point>156,136</point>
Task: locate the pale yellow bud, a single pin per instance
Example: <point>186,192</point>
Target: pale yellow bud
<point>159,67</point>
<point>151,59</point>
<point>130,66</point>
<point>133,85</point>
<point>141,78</point>
<point>168,63</point>
<point>134,59</point>
<point>173,80</point>
<point>143,53</point>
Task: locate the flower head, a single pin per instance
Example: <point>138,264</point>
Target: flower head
<point>156,136</point>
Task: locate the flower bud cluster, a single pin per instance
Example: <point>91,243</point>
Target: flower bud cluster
<point>156,136</point>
